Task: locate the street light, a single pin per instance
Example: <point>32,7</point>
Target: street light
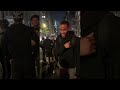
<point>44,25</point>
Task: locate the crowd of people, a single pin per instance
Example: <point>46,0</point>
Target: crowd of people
<point>20,49</point>
<point>91,56</point>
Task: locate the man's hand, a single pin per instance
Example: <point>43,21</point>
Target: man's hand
<point>67,45</point>
<point>87,45</point>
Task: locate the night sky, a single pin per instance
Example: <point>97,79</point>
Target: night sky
<point>58,15</point>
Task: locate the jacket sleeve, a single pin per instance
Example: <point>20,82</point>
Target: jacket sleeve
<point>4,45</point>
<point>35,37</point>
<point>73,41</point>
<point>59,47</point>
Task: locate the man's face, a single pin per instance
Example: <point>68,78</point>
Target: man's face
<point>63,30</point>
<point>35,22</point>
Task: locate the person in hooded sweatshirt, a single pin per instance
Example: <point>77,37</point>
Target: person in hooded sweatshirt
<point>66,44</point>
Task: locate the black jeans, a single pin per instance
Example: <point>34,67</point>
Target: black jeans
<point>20,70</point>
<point>8,69</point>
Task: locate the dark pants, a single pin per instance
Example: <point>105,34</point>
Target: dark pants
<point>20,70</point>
<point>3,68</point>
<point>37,61</point>
<point>8,67</point>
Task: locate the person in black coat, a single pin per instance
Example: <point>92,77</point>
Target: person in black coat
<point>18,40</point>
<point>99,64</point>
<point>35,39</point>
<point>67,51</point>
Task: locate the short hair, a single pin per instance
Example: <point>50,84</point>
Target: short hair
<point>65,22</point>
<point>34,16</point>
<point>17,14</point>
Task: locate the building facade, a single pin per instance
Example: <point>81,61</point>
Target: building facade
<point>78,28</point>
<point>73,17</point>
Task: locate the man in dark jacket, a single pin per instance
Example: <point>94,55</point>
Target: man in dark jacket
<point>66,44</point>
<point>35,39</point>
<point>99,64</point>
<point>18,39</point>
